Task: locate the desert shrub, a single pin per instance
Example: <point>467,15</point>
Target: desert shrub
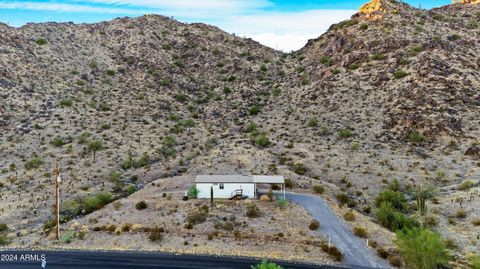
<point>192,193</point>
<point>318,189</point>
<point>345,133</point>
<point>83,138</point>
<point>58,142</point>
<point>363,26</point>
<point>266,265</point>
<point>474,261</point>
<point>34,163</point>
<point>360,231</point>
<point>141,205</point>
<point>454,37</point>
<point>465,185</point>
<point>383,253</point>
<point>476,222</point>
<point>394,198</point>
<point>314,225</point>
<point>422,248</point>
<point>156,234</point>
<point>254,110</point>
<point>196,217</point>
<point>41,41</point>
<point>299,169</point>
<point>461,214</point>
<point>400,73</point>
<point>68,236</point>
<point>4,240</point>
<point>131,189</point>
<point>312,123</point>
<point>262,141</point>
<point>110,72</point>
<point>66,102</point>
<point>3,227</point>
<point>395,260</point>
<point>126,227</point>
<point>252,127</point>
<point>253,211</point>
<point>415,50</point>
<point>349,216</point>
<point>377,56</point>
<point>416,137</point>
<point>342,198</point>
<point>70,208</point>
<point>335,254</point>
<point>289,183</point>
<point>390,218</point>
<point>94,202</point>
<point>282,203</point>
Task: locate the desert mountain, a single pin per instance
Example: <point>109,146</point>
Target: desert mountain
<point>394,92</point>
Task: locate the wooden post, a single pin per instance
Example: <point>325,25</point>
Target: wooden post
<point>56,201</point>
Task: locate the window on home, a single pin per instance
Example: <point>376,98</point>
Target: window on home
<point>221,186</point>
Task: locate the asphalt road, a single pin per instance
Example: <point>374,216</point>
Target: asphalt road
<point>355,250</point>
<point>136,260</point>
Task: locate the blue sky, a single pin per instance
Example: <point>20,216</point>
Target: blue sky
<point>281,24</point>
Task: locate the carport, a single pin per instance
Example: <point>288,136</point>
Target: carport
<point>269,180</point>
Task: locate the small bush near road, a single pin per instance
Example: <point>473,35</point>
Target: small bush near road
<point>318,189</point>
<point>314,225</point>
<point>156,234</point>
<point>360,231</point>
<point>349,216</point>
<point>422,248</point>
<point>266,265</point>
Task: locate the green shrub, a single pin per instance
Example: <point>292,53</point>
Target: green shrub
<point>415,50</point>
<point>416,137</point>
<point>254,110</point>
<point>390,218</point>
<point>41,41</point>
<point>58,142</point>
<point>345,133</point>
<point>252,127</point>
<point>253,211</point>
<point>314,225</point>
<point>334,253</point>
<point>71,208</point>
<point>318,189</point>
<point>342,198</point>
<point>465,185</point>
<point>110,72</point>
<point>299,169</point>
<point>455,37</point>
<point>400,73</point>
<point>4,240</point>
<point>377,57</point>
<point>266,265</point>
<point>34,163</point>
<point>363,26</point>
<point>262,141</point>
<point>312,123</point>
<point>474,261</point>
<point>422,248</point>
<point>395,198</point>
<point>68,236</point>
<point>66,102</point>
<point>141,205</point>
<point>282,203</point>
<point>439,17</point>
<point>193,192</point>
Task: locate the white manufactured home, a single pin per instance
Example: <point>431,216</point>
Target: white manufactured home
<point>233,186</point>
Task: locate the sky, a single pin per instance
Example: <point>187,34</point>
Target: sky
<point>281,24</point>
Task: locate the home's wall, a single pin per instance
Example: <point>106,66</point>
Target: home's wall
<point>229,188</point>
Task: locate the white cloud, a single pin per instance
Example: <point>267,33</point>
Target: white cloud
<point>285,31</point>
<point>190,4</point>
<point>59,7</point>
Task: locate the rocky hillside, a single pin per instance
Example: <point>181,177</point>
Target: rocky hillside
<point>394,92</point>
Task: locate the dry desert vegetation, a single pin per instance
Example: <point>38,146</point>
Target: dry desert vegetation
<point>379,116</point>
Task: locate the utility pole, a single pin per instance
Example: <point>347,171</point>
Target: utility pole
<point>57,202</point>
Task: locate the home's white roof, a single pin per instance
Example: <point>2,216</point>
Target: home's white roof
<point>269,179</point>
<point>223,179</point>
